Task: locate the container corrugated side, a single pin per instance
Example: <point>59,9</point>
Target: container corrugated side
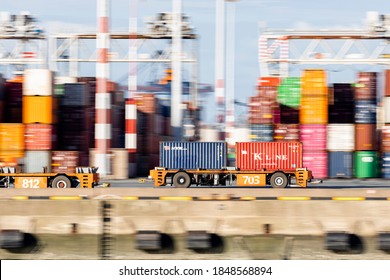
<point>35,161</point>
<point>268,155</point>
<point>340,164</point>
<point>193,155</point>
<point>340,137</point>
<point>38,136</point>
<point>317,162</point>
<point>313,136</point>
<point>366,137</point>
<point>11,137</point>
<point>38,82</point>
<point>38,109</point>
<point>76,94</point>
<point>64,161</point>
<point>119,163</point>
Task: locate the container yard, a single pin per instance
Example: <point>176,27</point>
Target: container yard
<point>162,139</point>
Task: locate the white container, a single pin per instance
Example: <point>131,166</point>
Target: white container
<point>119,163</point>
<point>35,161</point>
<point>340,137</point>
<point>386,108</point>
<point>38,82</point>
<point>64,80</point>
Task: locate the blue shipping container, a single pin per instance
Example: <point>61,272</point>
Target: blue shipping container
<point>386,165</point>
<point>340,164</point>
<point>193,155</point>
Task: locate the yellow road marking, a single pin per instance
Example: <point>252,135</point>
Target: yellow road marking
<point>348,198</point>
<point>294,198</point>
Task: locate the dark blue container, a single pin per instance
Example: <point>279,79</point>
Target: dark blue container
<point>386,165</point>
<point>193,155</point>
<point>365,111</point>
<point>340,164</point>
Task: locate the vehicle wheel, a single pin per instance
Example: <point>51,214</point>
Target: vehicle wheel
<point>181,180</point>
<point>61,182</point>
<point>279,180</point>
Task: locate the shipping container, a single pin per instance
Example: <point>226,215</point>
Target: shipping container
<point>76,94</point>
<point>340,164</point>
<point>38,82</point>
<point>286,132</point>
<point>317,162</point>
<point>39,136</point>
<point>385,139</point>
<point>289,92</point>
<point>386,165</point>
<point>38,109</point>
<point>340,137</point>
<point>366,87</point>
<point>313,136</point>
<point>146,103</point>
<point>366,164</point>
<point>37,161</point>
<point>269,92</point>
<point>268,156</point>
<point>366,137</point>
<point>11,137</point>
<point>313,83</point>
<point>289,115</point>
<point>11,158</point>
<point>64,161</point>
<point>193,155</point>
<point>13,94</point>
<point>268,81</point>
<point>314,109</point>
<point>341,107</point>
<point>386,109</point>
<point>387,82</point>
<point>261,132</point>
<point>2,109</point>
<point>365,111</point>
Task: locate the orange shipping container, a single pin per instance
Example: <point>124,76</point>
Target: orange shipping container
<point>314,82</point>
<point>268,81</point>
<point>366,137</point>
<point>314,110</point>
<point>38,109</point>
<point>11,137</point>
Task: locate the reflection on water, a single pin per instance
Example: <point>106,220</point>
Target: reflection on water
<point>269,247</point>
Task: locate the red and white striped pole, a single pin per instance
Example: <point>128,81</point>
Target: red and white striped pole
<point>220,64</point>
<point>130,106</point>
<point>103,98</point>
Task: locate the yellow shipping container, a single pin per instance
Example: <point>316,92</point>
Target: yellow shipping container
<point>38,109</point>
<point>314,110</point>
<point>313,82</point>
<point>10,158</point>
<point>11,137</point>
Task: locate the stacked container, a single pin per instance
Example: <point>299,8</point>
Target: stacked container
<point>289,95</point>
<point>264,110</point>
<point>11,143</point>
<point>366,155</point>
<point>385,142</point>
<point>313,118</point>
<point>341,131</point>
<point>38,119</point>
<point>13,102</point>
<point>2,95</point>
<point>76,120</point>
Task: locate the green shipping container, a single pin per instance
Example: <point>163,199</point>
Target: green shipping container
<point>366,164</point>
<point>289,92</point>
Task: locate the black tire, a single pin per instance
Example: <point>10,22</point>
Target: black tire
<point>181,180</point>
<point>279,180</point>
<point>61,182</point>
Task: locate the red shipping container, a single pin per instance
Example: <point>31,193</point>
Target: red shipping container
<point>38,136</point>
<point>268,81</point>
<point>387,82</point>
<point>268,155</point>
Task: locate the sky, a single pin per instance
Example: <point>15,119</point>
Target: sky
<point>78,16</point>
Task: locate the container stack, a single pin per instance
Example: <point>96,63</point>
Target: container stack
<point>289,95</point>
<point>2,94</point>
<point>341,131</point>
<point>76,122</point>
<point>13,102</point>
<point>385,147</point>
<point>313,117</point>
<point>38,119</point>
<point>366,154</point>
<point>263,110</point>
<point>11,143</point>
<point>147,138</point>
